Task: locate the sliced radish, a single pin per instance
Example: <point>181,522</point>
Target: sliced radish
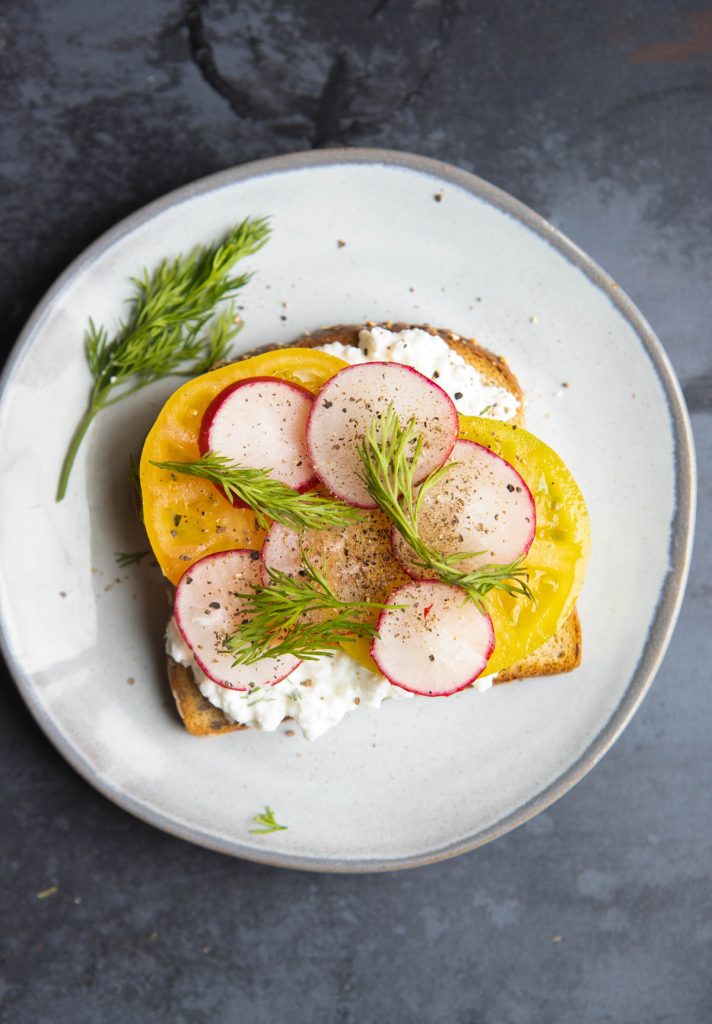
<point>282,550</point>
<point>357,561</point>
<point>481,504</point>
<point>260,423</point>
<point>342,413</point>
<point>207,610</point>
<point>436,645</point>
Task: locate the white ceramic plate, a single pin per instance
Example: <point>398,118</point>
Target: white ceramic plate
<point>418,780</point>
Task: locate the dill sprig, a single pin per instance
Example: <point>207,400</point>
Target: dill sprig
<point>126,558</point>
<point>268,822</point>
<point>286,617</point>
<point>268,498</point>
<point>168,329</point>
<point>390,457</point>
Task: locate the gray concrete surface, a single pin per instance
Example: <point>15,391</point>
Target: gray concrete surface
<point>598,116</point>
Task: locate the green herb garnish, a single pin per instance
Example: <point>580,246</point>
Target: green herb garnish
<point>389,469</point>
<point>299,616</point>
<point>168,329</point>
<point>125,558</point>
<point>267,497</point>
<point>267,820</point>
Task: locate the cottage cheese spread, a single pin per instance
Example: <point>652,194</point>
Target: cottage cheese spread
<point>318,694</point>
<point>471,393</point>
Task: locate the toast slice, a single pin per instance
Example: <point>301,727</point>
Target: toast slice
<point>560,654</point>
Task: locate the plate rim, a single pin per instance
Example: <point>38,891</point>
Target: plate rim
<point>681,532</point>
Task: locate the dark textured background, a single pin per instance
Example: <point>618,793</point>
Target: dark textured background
<point>598,116</point>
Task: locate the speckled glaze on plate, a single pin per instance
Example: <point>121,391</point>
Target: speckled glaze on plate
<point>418,780</point>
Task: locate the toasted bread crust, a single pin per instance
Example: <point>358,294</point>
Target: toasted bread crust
<point>199,716</point>
<point>561,653</point>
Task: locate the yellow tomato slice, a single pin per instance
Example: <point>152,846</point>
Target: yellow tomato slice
<point>187,518</point>
<point>556,560</point>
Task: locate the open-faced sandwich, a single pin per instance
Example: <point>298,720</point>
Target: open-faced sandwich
<point>356,518</point>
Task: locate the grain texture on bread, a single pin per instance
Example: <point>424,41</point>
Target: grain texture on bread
<point>198,715</point>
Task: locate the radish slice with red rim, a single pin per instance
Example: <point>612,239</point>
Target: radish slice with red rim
<point>357,560</point>
<point>207,610</point>
<point>437,644</point>
<point>260,423</point>
<point>343,411</point>
<point>282,550</point>
<point>481,505</point>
